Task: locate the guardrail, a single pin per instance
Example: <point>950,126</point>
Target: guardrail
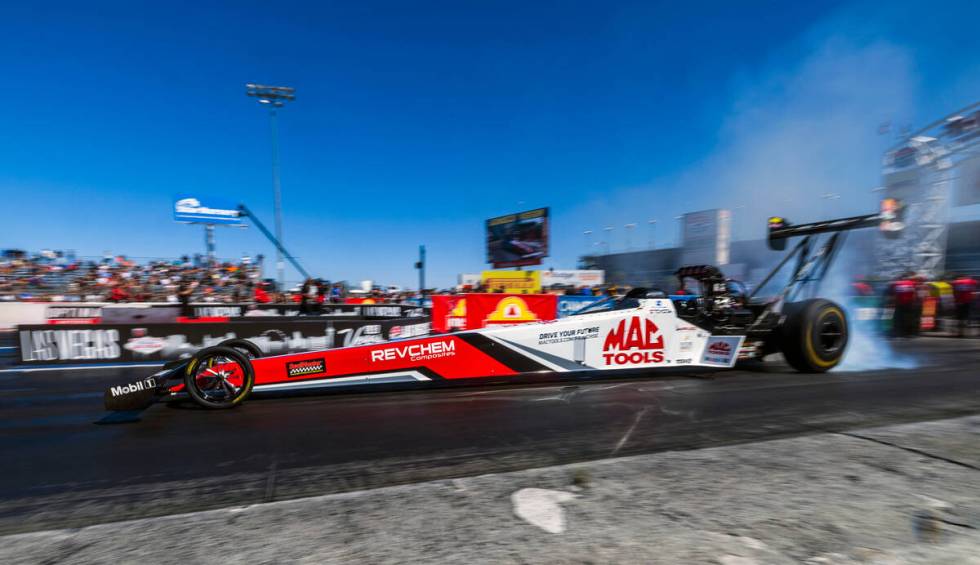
<point>13,314</point>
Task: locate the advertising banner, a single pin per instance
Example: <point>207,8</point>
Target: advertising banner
<point>518,239</point>
<point>514,282</point>
<point>206,211</point>
<point>101,343</point>
<point>488,309</point>
<point>569,304</point>
<point>448,312</point>
<point>574,278</point>
<point>359,300</point>
<point>88,313</point>
<point>363,309</point>
<point>470,280</point>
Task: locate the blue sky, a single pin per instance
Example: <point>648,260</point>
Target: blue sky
<point>415,121</point>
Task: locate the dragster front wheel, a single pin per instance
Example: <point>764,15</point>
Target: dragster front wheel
<point>244,346</point>
<point>219,377</point>
<point>814,335</point>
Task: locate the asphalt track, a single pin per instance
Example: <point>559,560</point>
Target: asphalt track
<point>64,465</point>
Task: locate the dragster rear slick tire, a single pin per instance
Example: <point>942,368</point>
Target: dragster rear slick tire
<point>814,335</point>
<point>219,377</point>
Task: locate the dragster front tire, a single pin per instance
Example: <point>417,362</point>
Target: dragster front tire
<point>219,377</point>
<point>814,335</point>
<point>245,346</point>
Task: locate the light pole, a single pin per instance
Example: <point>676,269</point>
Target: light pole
<point>588,240</point>
<point>274,97</point>
<point>608,238</point>
<point>653,232</point>
<point>420,265</point>
<point>629,236</point>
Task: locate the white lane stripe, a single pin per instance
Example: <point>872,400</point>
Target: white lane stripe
<point>78,367</point>
<point>629,432</point>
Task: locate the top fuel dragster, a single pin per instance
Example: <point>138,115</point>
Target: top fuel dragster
<point>644,330</point>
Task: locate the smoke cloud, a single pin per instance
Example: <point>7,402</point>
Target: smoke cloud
<point>794,134</point>
<point>867,348</point>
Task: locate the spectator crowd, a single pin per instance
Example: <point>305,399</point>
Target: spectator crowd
<point>57,276</point>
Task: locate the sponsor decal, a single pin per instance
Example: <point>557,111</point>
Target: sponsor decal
<point>562,336</point>
<point>569,304</point>
<point>457,316</point>
<point>217,311</point>
<point>363,335</point>
<point>411,330</point>
<point>138,386</point>
<point>416,351</point>
<point>721,350</point>
<point>865,314</point>
<point>686,346</point>
<point>684,361</point>
<point>632,342</point>
<point>73,312</point>
<point>193,206</point>
<point>69,345</point>
<point>660,307</point>
<point>512,309</point>
<point>576,278</point>
<point>145,345</point>
<point>306,367</point>
<point>512,282</point>
<point>382,311</point>
<point>46,344</point>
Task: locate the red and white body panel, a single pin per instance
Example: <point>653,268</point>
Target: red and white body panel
<point>649,336</point>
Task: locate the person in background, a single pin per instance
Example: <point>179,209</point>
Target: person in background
<point>903,296</point>
<point>308,294</point>
<point>118,292</point>
<point>860,287</point>
<point>321,298</point>
<point>964,297</point>
<point>682,289</point>
<point>260,295</point>
<point>184,292</point>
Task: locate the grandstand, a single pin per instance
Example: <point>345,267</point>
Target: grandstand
<point>61,276</point>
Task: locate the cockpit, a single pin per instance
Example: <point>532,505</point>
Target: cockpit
<point>628,302</point>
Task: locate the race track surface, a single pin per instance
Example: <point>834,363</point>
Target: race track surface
<point>63,468</point>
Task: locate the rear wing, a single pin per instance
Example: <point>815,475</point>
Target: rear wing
<point>890,220</point>
<point>812,264</point>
